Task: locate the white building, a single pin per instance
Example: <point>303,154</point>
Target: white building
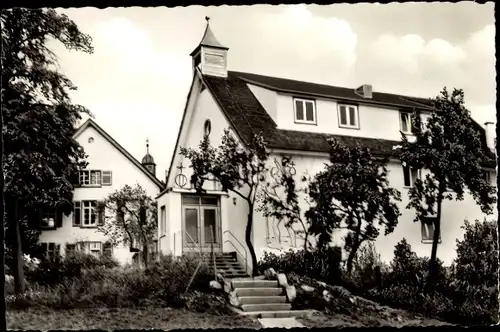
<point>110,168</point>
<point>295,118</point>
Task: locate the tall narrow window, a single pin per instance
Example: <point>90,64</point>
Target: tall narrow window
<point>305,111</point>
<point>406,122</point>
<point>427,230</point>
<point>163,220</point>
<point>348,116</point>
<point>77,213</point>
<point>410,175</point>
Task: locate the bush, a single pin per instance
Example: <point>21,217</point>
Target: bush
<point>52,272</point>
<point>163,284</point>
<point>322,264</point>
<point>368,270</point>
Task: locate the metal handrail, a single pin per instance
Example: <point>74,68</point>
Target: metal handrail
<point>197,245</point>
<point>246,254</point>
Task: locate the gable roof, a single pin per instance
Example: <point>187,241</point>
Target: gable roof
<point>117,146</point>
<point>248,116</point>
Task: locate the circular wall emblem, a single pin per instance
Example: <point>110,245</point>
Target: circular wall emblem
<point>181,180</point>
<point>207,128</point>
<point>91,139</point>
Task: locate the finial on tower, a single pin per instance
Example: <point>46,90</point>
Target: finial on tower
<point>207,18</point>
<point>147,145</point>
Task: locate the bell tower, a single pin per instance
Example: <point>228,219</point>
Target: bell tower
<point>210,56</point>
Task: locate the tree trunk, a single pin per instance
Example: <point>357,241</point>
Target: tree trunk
<point>350,258</point>
<point>18,265</point>
<point>435,242</point>
<point>3,322</point>
<point>248,239</point>
<point>145,258</point>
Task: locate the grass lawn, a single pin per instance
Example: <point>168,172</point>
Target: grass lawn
<point>110,319</point>
<point>339,320</point>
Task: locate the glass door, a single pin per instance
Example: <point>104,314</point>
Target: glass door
<point>210,226</point>
<point>192,225</point>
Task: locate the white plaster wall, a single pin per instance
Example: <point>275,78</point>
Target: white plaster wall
<point>267,98</point>
<point>102,156</point>
<point>164,240</point>
<point>454,214</point>
<point>374,121</point>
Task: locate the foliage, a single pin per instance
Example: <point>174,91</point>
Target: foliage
<point>163,284</point>
<point>238,169</point>
<point>368,270</point>
<point>53,272</point>
<point>132,218</point>
<point>352,193</point>
<point>41,159</point>
<point>448,145</point>
<point>319,263</point>
<point>279,197</point>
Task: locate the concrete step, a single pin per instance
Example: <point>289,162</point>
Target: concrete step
<point>233,274</point>
<point>255,284</point>
<point>259,291</point>
<point>262,299</point>
<point>261,307</point>
<point>278,314</point>
<point>250,278</point>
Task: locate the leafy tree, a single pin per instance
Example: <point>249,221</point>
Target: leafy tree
<point>41,159</point>
<point>352,193</point>
<point>279,198</point>
<point>450,148</point>
<point>237,168</point>
<point>132,219</point>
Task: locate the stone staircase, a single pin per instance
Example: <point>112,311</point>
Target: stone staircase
<point>261,298</point>
<point>226,264</point>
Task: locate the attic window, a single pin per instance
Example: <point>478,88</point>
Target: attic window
<point>305,111</point>
<point>348,116</point>
<point>406,122</point>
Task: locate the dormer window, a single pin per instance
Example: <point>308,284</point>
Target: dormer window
<point>406,123</point>
<point>348,116</point>
<point>305,111</point>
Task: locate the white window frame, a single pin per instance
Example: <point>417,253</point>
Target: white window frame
<point>409,122</point>
<point>90,247</point>
<point>89,175</point>
<point>90,206</point>
<point>411,171</point>
<point>427,232</point>
<point>163,220</point>
<point>48,213</point>
<point>54,253</point>
<point>304,102</point>
<point>348,116</point>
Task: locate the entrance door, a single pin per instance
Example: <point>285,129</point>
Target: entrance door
<point>201,223</point>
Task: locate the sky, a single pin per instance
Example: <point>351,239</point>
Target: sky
<point>137,80</point>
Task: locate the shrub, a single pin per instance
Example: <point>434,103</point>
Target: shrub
<point>368,270</point>
<point>322,264</point>
<point>163,284</point>
<point>52,272</point>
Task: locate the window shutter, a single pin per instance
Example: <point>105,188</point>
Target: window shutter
<point>77,214</point>
<point>101,209</point>
<point>59,218</point>
<point>106,178</point>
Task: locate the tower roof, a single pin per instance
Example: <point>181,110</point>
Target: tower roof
<point>147,159</point>
<point>209,39</point>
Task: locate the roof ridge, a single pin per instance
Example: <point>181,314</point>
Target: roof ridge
<point>238,73</point>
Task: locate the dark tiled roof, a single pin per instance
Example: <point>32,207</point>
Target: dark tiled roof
<point>248,116</point>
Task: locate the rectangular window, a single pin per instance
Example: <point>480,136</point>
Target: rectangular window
<point>51,250</point>
<point>48,218</point>
<point>93,248</point>
<point>410,175</point>
<point>348,116</point>
<point>90,178</point>
<point>107,249</point>
<point>427,230</point>
<point>406,125</point>
<point>87,214</point>
<point>305,111</point>
<point>163,220</point>
<point>487,177</point>
<point>106,178</point>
